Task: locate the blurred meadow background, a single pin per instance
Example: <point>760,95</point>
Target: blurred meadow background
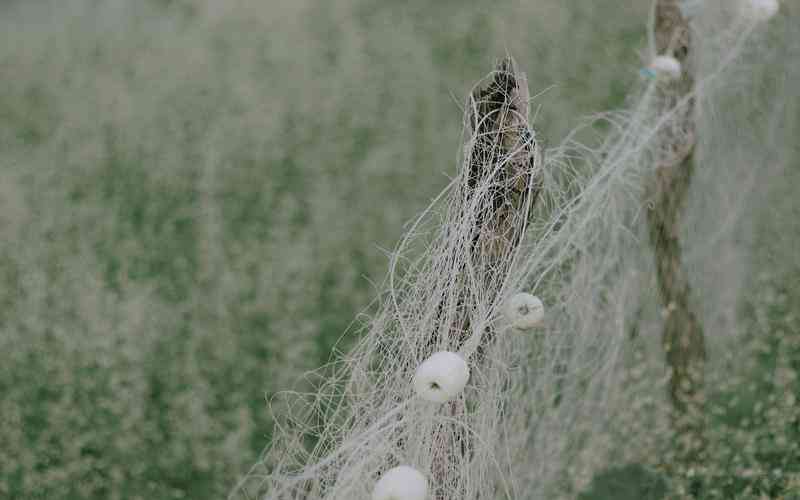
<point>197,199</point>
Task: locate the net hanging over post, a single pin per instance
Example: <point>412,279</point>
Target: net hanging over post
<point>446,305</point>
<point>501,410</point>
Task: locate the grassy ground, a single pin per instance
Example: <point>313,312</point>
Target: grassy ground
<point>194,199</point>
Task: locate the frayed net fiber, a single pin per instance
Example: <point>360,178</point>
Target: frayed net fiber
<point>400,395</point>
<point>565,226</point>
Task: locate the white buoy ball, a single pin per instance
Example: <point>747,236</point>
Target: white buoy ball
<point>524,311</point>
<point>761,10</point>
<point>401,483</point>
<point>441,377</point>
<point>666,66</point>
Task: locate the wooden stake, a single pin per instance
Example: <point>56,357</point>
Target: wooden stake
<point>682,338</point>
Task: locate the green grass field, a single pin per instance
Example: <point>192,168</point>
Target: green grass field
<point>196,200</point>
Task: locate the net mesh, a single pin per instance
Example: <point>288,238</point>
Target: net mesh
<point>543,409</point>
